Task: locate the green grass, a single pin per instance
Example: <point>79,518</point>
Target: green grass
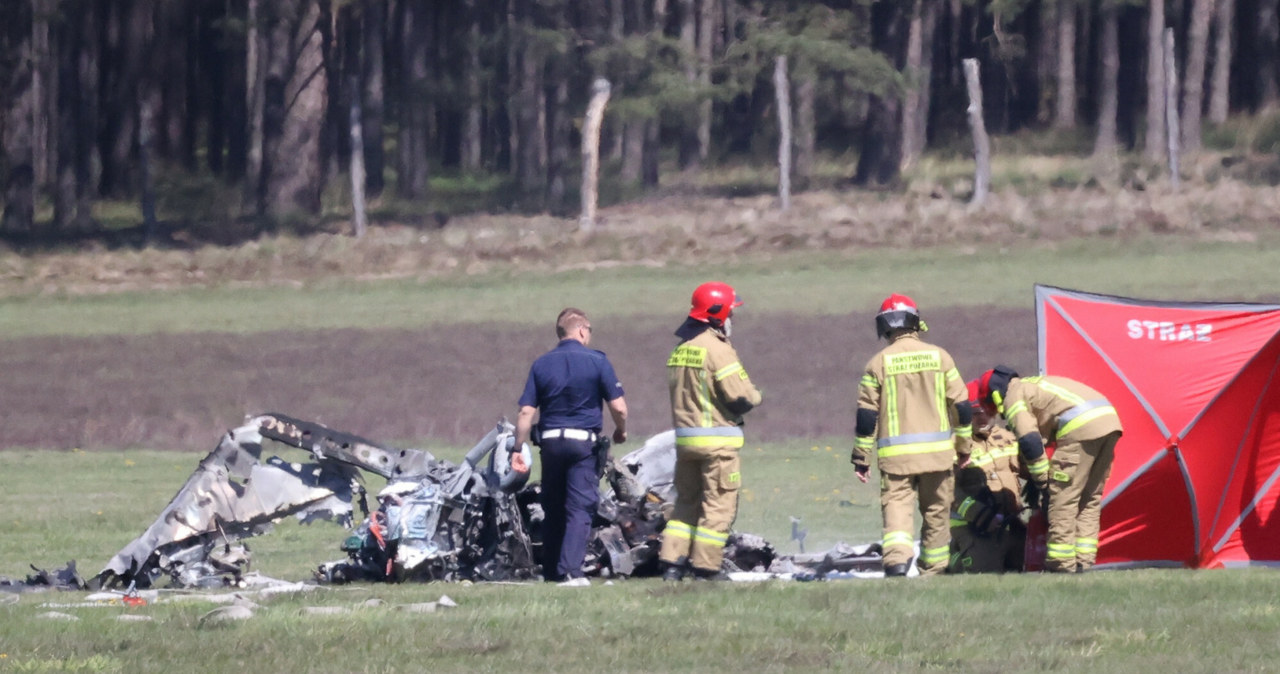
<point>804,283</point>
<point>102,500</point>
<point>1133,621</point>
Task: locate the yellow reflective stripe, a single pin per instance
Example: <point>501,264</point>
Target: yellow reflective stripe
<point>678,529</point>
<point>728,370</point>
<point>918,448</point>
<point>1039,467</point>
<point>1086,418</point>
<point>935,555</point>
<point>898,538</point>
<point>1013,409</point>
<point>965,505</point>
<point>940,398</point>
<point>1062,551</point>
<point>891,404</point>
<point>870,381</point>
<point>710,441</point>
<point>704,399</point>
<point>953,374</point>
<point>1060,392</point>
<point>982,457</point>
<point>712,537</point>
<point>1086,545</point>
<point>965,431</point>
<point>864,442</point>
<point>955,522</point>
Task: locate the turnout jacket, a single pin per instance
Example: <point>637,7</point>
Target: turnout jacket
<point>913,387</point>
<point>710,391</point>
<point>988,485</point>
<point>1057,408</point>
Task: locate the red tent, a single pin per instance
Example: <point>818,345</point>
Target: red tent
<point>1196,479</point>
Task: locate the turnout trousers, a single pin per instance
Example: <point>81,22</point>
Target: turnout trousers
<point>570,492</point>
<point>1078,471</point>
<point>706,481</point>
<point>996,553</point>
<point>899,495</point>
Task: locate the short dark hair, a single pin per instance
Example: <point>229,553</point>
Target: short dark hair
<point>569,320</point>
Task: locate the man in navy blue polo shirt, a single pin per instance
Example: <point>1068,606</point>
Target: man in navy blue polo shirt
<point>566,389</point>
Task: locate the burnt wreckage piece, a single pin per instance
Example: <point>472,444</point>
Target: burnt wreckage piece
<point>434,520</point>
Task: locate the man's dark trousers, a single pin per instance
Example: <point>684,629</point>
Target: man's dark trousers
<point>570,492</point>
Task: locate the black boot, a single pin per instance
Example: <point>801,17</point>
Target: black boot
<point>895,570</point>
<point>672,572</point>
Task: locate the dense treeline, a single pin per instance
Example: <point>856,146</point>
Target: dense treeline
<point>267,98</point>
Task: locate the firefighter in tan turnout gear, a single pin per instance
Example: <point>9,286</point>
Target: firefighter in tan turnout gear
<point>710,393</point>
<point>1085,428</point>
<point>914,414</point>
<point>987,535</point>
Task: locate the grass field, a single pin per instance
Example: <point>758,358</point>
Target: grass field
<point>85,506</point>
<point>1132,621</point>
<point>824,283</point>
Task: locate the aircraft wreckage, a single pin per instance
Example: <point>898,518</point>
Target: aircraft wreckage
<point>434,520</point>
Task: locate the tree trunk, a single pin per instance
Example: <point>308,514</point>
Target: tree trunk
<point>44,79</point>
<point>981,143</point>
<point>17,144</point>
<point>1220,83</point>
<point>806,126</point>
<point>633,152</point>
<point>147,103</point>
<point>1047,60</point>
<point>255,98</point>
<point>373,96</point>
<point>413,134</point>
<point>1268,53</point>
<point>707,24</point>
<point>1153,149</point>
<point>66,42</point>
<point>294,109</point>
<point>471,151</point>
<point>782,94</point>
<point>617,32</point>
<point>688,149</point>
<point>915,106</point>
<point>1064,116</point>
<point>600,91</point>
<point>650,169</point>
<point>1171,107</point>
<point>1104,147</point>
<point>530,166</point>
<point>1193,78</point>
<point>880,161</point>
<point>357,170</point>
<point>558,150</point>
<point>513,85</point>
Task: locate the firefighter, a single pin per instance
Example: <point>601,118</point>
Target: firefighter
<point>1085,428</point>
<point>913,412</point>
<point>987,535</point>
<point>710,393</point>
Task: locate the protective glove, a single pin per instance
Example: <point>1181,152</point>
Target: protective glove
<point>860,466</point>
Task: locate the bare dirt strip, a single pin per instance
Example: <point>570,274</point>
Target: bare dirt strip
<point>445,384</point>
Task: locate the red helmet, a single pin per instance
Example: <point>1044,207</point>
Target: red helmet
<point>713,302</point>
<point>897,312</point>
<point>992,387</point>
